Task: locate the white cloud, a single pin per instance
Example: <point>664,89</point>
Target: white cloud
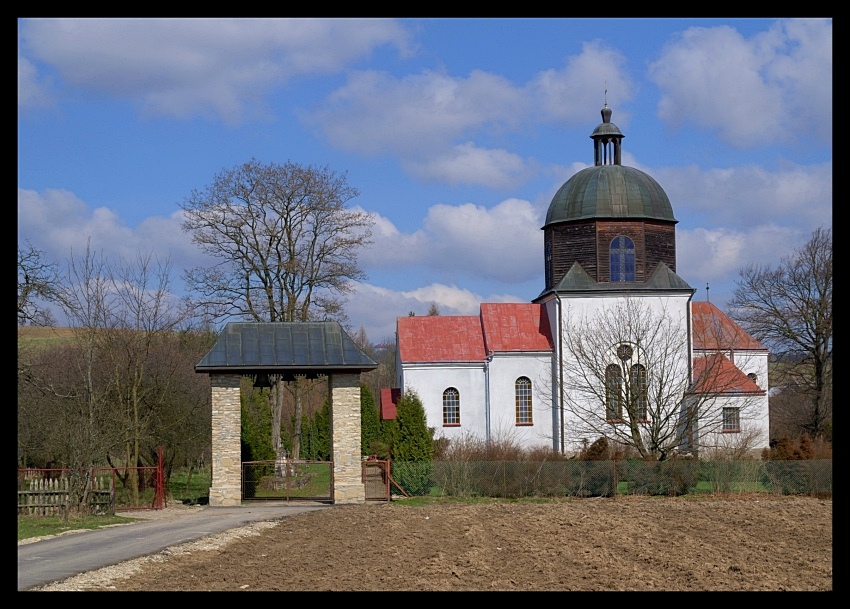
<point>376,113</point>
<point>462,241</point>
<point>441,125</point>
<point>33,91</point>
<point>377,308</point>
<point>59,223</point>
<point>775,87</point>
<point>186,67</point>
<point>716,256</point>
<point>751,195</point>
<point>468,164</point>
<point>570,93</point>
<point>451,299</point>
<point>504,242</point>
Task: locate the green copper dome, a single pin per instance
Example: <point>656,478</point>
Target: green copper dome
<point>610,191</point>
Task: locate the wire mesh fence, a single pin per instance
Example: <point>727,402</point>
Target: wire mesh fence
<point>574,478</point>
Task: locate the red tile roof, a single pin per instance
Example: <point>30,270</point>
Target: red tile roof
<point>515,327</point>
<point>500,327</point>
<point>714,330</point>
<point>437,338</point>
<point>716,374</point>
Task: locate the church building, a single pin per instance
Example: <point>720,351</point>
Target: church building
<point>613,346</point>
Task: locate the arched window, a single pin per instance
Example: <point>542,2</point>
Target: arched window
<point>523,401</point>
<point>613,393</point>
<point>451,407</point>
<point>637,380</point>
<point>622,259</point>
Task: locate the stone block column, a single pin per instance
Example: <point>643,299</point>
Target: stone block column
<point>345,438</point>
<point>226,489</point>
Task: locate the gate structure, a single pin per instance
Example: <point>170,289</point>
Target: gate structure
<point>278,352</point>
<point>376,479</point>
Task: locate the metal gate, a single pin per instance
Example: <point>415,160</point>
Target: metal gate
<point>287,480</point>
<point>376,479</point>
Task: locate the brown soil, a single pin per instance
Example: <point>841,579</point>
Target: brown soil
<point>631,543</point>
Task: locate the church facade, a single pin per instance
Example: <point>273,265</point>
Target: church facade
<point>614,345</point>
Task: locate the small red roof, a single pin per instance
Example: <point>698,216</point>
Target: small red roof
<point>389,401</point>
<point>714,330</point>
<point>716,374</point>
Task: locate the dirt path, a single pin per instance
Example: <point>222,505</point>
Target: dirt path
<point>631,543</point>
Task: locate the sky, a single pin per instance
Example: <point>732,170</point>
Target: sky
<point>456,132</point>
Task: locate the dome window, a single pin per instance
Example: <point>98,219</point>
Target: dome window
<point>622,259</point>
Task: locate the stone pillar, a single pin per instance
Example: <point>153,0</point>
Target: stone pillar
<point>345,438</point>
<point>226,489</point>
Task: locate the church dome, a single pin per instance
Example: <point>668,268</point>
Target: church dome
<point>609,190</point>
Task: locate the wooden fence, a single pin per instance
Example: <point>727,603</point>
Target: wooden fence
<point>49,496</point>
<point>46,491</point>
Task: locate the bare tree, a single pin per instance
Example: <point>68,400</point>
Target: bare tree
<point>80,386</point>
<point>790,309</point>
<point>627,377</point>
<point>384,376</point>
<point>286,246</point>
<point>181,420</point>
<point>38,284</point>
<point>140,324</point>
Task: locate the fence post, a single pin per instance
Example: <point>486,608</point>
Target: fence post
<point>614,479</point>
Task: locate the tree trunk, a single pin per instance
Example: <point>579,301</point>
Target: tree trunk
<point>296,433</point>
<point>276,404</point>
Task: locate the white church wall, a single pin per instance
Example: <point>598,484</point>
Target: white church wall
<point>754,414</point>
<point>471,382</point>
<point>431,381</point>
<point>505,369</point>
<point>751,436</point>
<point>753,362</point>
<point>673,310</point>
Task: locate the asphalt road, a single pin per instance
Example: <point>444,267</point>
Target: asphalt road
<point>58,558</point>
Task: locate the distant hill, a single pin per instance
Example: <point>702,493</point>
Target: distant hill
<point>36,332</point>
<point>44,335</point>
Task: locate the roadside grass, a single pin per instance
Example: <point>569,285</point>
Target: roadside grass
<point>182,488</point>
<point>40,526</point>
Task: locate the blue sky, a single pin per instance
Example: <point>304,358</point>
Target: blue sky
<point>456,132</point>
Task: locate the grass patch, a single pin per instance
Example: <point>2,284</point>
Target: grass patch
<point>191,489</point>
<point>311,480</point>
<point>706,486</point>
<point>39,526</point>
<point>40,337</point>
